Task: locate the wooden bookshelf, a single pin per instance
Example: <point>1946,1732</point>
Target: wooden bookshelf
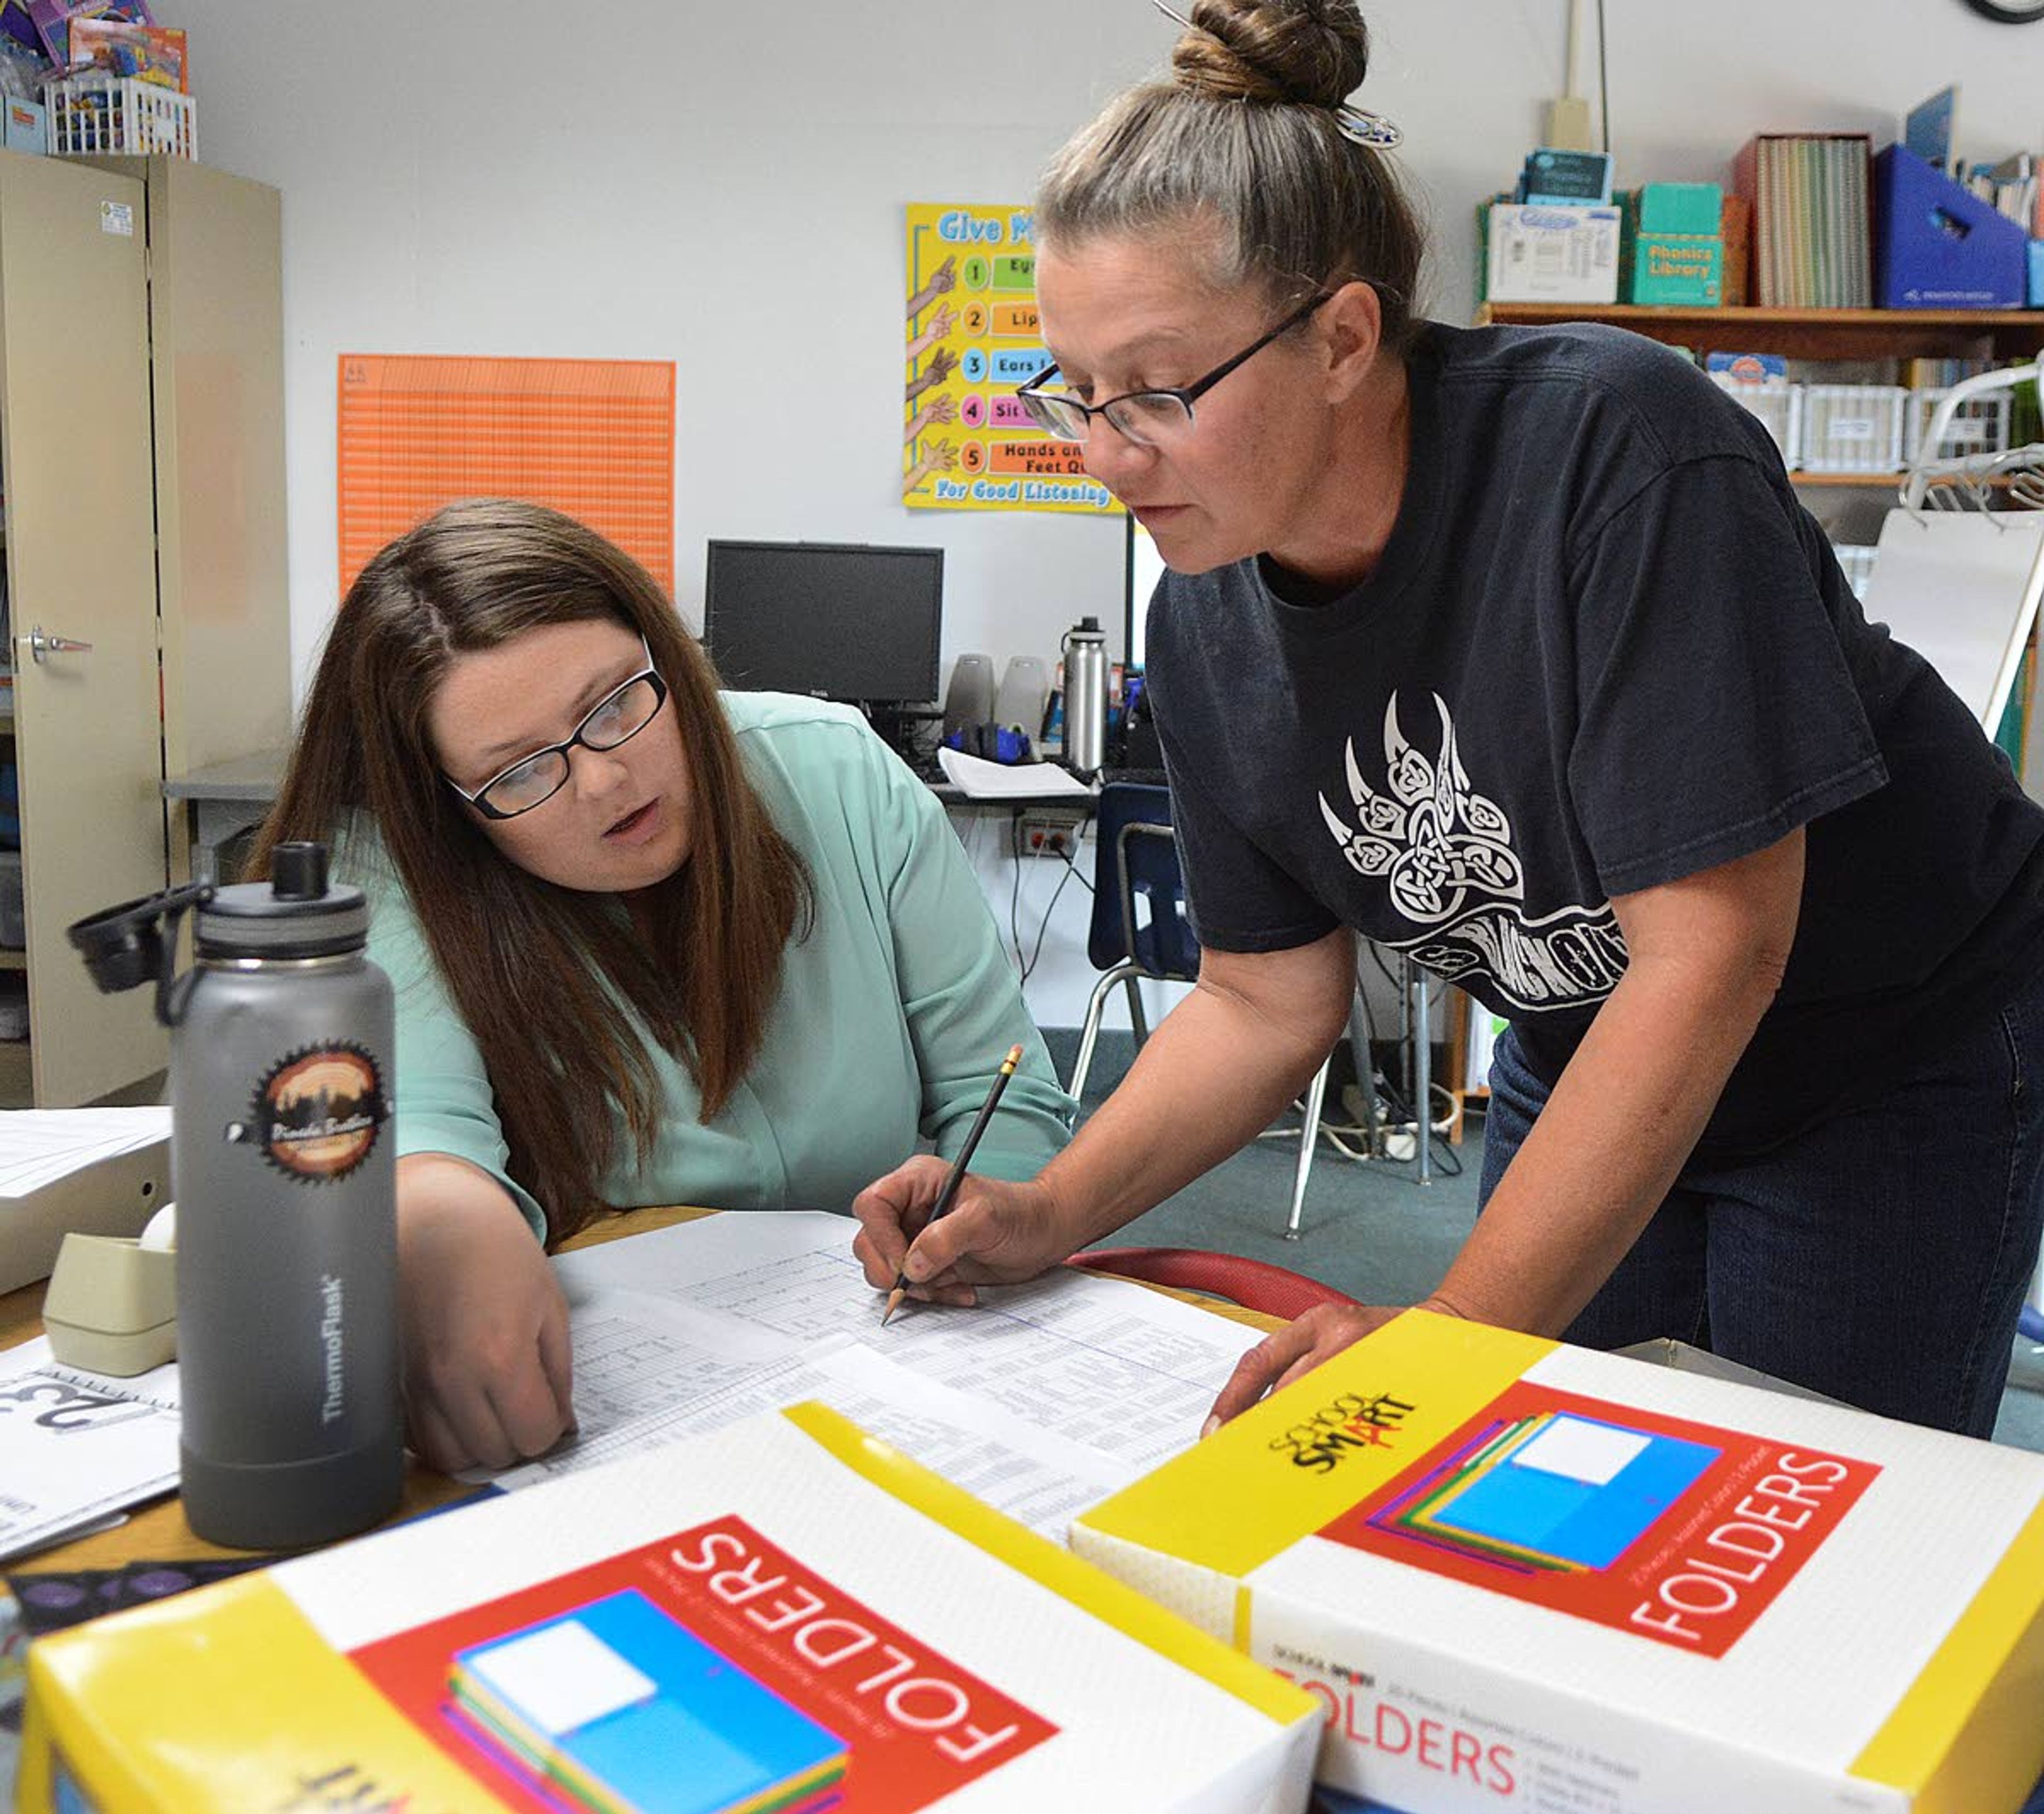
<point>1805,333</point>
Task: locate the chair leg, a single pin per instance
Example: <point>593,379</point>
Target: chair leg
<point>1372,1109</point>
<point>1089,1030</point>
<point>1137,1019</point>
<point>1309,1137</point>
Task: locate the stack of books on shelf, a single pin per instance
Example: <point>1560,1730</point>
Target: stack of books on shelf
<point>1813,218</point>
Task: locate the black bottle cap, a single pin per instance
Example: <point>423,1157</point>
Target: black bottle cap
<point>297,871</point>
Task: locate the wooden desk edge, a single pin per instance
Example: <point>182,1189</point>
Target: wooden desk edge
<point>158,1532</point>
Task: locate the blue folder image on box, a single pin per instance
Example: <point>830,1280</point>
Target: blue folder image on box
<point>615,1708</point>
<point>1555,1491</point>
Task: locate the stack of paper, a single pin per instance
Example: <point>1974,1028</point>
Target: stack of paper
<point>1043,1401</point>
<point>984,780</point>
<point>38,1146</point>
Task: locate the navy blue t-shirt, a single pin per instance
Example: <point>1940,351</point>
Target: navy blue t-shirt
<point>1605,647</point>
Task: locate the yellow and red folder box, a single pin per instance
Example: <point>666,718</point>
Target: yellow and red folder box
<point>1521,1576</point>
<point>783,1617</point>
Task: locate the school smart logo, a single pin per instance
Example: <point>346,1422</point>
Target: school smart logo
<point>1445,855</point>
<point>1349,1423</point>
<point>317,1112</point>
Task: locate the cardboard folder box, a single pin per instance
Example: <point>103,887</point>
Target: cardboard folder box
<point>786,1616</point>
<point>1521,1576</point>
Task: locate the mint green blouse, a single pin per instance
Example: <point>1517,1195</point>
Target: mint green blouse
<point>893,1014</point>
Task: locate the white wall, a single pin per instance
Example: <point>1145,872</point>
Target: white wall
<point>722,187</point>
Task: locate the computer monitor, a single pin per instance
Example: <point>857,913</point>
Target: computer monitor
<point>1146,567</point>
<point>844,621</point>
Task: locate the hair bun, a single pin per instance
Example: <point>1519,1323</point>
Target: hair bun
<point>1312,52</point>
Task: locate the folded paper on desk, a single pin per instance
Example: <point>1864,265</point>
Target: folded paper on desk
<point>77,1450</point>
<point>786,1615</point>
<point>984,780</point>
<point>1518,1576</point>
<point>94,1171</point>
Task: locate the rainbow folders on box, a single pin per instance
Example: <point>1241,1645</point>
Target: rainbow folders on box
<point>782,1618</point>
<point>1521,1576</point>
<point>595,1704</point>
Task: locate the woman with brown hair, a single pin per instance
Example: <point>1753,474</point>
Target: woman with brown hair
<point>1514,648</point>
<point>651,943</point>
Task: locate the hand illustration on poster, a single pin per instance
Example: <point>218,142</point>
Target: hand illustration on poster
<point>973,339</point>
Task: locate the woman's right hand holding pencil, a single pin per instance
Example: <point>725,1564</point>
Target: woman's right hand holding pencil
<point>995,1232</point>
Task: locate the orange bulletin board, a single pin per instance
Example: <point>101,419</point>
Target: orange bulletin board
<point>594,438</point>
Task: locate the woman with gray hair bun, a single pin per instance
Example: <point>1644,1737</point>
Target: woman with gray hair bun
<point>1514,649</point>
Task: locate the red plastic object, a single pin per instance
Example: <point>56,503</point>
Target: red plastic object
<point>1255,1285</point>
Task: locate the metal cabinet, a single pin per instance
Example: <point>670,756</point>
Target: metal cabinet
<point>144,515</point>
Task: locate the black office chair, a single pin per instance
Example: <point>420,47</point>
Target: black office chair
<point>1140,930</point>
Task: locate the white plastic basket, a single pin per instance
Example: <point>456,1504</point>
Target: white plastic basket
<point>1858,563</point>
<point>1853,428</point>
<point>1778,405</point>
<point>1979,425</point>
<point>116,116</point>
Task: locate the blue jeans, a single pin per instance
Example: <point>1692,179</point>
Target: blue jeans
<point>1881,1258</point>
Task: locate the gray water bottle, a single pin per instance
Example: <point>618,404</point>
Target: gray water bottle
<point>282,1040</point>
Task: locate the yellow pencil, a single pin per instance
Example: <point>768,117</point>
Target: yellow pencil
<point>957,1168</point>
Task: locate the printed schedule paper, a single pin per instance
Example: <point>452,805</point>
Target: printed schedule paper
<point>1041,1400</point>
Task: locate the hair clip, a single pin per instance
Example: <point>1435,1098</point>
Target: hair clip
<point>1361,127</point>
<point>1357,125</point>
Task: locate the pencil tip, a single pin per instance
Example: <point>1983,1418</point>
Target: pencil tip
<point>893,1303</point>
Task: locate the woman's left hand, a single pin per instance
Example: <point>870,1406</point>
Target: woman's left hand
<point>1285,1354</point>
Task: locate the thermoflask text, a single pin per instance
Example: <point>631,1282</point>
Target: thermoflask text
<point>281,1043</point>
<point>1084,651</point>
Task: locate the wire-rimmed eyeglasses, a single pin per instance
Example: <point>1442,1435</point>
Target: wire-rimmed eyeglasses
<point>532,780</point>
<point>1144,417</point>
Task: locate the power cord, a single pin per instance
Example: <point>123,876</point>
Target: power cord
<point>1026,966</point>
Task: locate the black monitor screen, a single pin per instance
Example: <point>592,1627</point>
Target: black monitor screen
<point>847,621</point>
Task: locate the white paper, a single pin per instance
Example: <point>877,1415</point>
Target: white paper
<point>984,780</point>
<point>40,1146</point>
<point>76,1448</point>
<point>1041,1400</point>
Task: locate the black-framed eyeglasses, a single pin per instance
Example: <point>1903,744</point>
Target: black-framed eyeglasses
<point>1147,417</point>
<point>532,780</point>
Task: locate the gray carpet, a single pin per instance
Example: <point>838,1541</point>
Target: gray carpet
<point>1372,1230</point>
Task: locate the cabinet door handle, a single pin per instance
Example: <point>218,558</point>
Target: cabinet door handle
<point>43,642</point>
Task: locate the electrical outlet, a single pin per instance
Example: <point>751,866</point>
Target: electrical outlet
<point>1048,835</point>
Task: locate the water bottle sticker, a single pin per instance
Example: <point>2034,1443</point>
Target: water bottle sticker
<point>317,1112</point>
